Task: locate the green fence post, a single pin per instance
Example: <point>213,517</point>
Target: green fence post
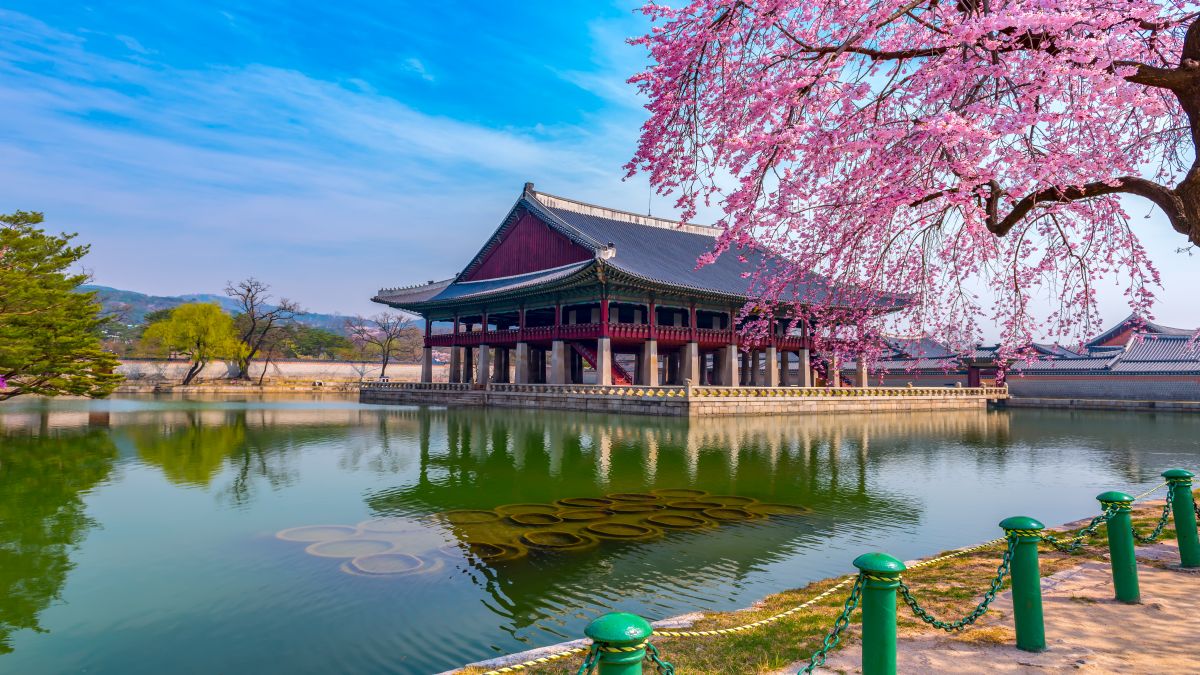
<point>1180,481</point>
<point>622,641</point>
<point>1120,546</point>
<point>881,578</point>
<point>1026,582</point>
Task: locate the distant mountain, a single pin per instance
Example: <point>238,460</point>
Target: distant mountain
<point>132,306</point>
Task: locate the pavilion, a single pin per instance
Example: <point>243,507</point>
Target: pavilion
<point>565,292</point>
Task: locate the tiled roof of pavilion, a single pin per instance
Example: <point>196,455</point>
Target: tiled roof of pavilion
<point>919,346</point>
<point>643,248</point>
<point>1141,326</point>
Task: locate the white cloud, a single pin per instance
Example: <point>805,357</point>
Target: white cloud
<point>415,66</point>
<point>183,179</point>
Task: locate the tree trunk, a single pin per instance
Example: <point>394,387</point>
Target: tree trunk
<point>383,368</point>
<point>243,365</point>
<point>197,366</point>
<point>266,364</point>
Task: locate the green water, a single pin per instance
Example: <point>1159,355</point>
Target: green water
<point>143,536</point>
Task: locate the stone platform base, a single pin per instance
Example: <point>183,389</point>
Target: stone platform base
<point>1103,404</point>
<point>683,401</point>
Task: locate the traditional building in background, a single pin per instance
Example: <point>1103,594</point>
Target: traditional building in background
<point>1133,360</point>
<point>571,293</point>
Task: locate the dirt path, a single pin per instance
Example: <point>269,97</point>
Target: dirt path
<point>1086,630</point>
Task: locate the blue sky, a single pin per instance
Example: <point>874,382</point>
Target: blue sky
<point>329,148</point>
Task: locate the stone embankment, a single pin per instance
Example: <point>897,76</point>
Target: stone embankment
<point>146,376</point>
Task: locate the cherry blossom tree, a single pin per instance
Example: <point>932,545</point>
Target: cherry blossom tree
<point>978,155</point>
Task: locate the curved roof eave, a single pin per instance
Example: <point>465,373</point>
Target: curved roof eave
<point>586,269</point>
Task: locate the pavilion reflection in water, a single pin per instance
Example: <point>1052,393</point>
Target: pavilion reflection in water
<point>495,482</point>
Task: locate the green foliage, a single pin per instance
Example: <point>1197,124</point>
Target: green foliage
<point>317,343</point>
<point>44,519</point>
<point>201,331</point>
<point>192,454</point>
<point>49,334</point>
<point>156,316</point>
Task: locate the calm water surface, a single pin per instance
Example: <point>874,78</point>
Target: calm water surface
<point>160,535</point>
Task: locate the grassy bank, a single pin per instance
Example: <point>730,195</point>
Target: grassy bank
<point>949,589</point>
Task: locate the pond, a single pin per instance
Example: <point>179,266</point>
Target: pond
<point>319,535</point>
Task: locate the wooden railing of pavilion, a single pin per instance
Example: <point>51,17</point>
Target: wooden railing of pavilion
<point>707,338</point>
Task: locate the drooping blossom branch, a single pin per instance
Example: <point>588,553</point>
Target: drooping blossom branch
<point>967,155</point>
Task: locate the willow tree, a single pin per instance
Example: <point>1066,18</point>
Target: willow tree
<point>972,154</point>
<point>199,331</point>
<point>49,332</point>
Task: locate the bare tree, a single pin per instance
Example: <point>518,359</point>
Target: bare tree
<point>384,334</point>
<point>259,321</point>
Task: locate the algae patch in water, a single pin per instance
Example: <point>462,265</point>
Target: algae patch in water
<point>398,546</point>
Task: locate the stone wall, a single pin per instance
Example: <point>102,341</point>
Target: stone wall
<point>919,379</point>
<point>1104,404</point>
<point>1109,386</point>
<point>151,370</point>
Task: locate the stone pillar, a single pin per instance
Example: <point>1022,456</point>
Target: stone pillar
<point>833,372</point>
<point>785,374</point>
<point>745,369</point>
<point>729,369</point>
<point>427,364</point>
<point>456,364</point>
<point>691,363</point>
<point>521,374</point>
<point>804,364</point>
<point>484,367</point>
<point>499,364</point>
<point>755,376</point>
<point>604,361</point>
<point>772,366</point>
<point>558,362</point>
<point>649,375</point>
<point>861,378</point>
<point>468,374</point>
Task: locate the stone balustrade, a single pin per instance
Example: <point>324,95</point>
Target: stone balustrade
<point>991,393</point>
<point>416,386</point>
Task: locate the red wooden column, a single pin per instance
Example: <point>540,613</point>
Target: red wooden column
<point>454,333</point>
<point>692,322</point>
<point>653,320</point>
<point>604,332</point>
<point>428,330</point>
<point>557,332</point>
<point>521,323</point>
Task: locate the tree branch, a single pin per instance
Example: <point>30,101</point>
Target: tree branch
<point>1162,196</point>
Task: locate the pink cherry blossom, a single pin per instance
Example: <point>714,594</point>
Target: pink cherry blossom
<point>969,155</point>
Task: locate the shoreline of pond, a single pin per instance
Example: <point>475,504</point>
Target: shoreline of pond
<point>741,646</point>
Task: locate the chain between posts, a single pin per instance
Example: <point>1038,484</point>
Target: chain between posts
<point>1073,544</point>
<point>589,662</point>
<point>980,609</point>
<point>834,637</point>
<point>1162,521</point>
<point>663,667</point>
